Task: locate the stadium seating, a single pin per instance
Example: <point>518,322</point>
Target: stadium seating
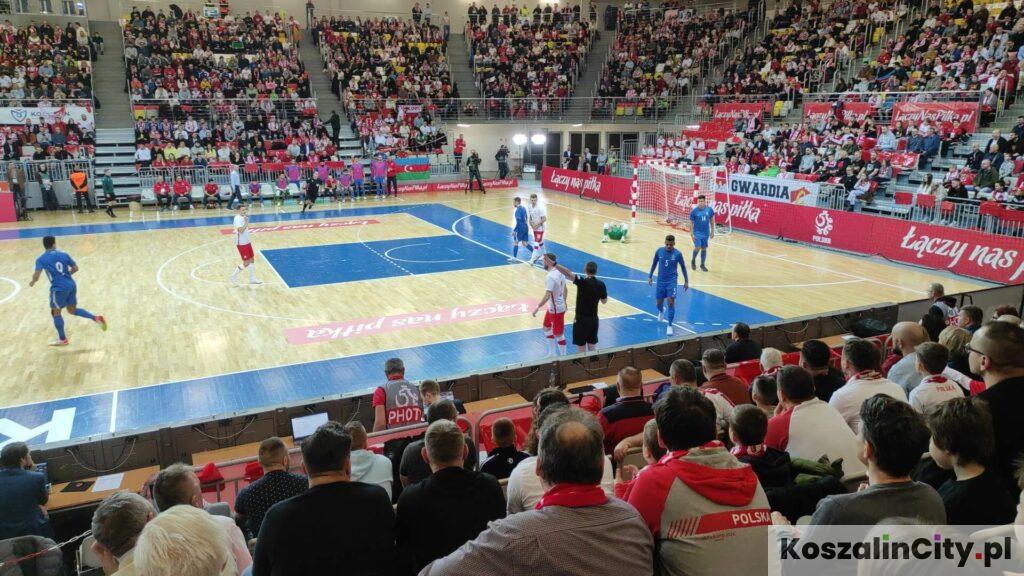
<point>392,77</point>
<point>43,65</point>
<point>658,56</point>
<point>527,70</point>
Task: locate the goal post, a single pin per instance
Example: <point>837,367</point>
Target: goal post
<point>665,193</point>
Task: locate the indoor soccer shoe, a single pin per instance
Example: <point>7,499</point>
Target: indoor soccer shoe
<point>102,322</point>
<point>703,268</point>
<point>59,342</point>
<point>668,331</point>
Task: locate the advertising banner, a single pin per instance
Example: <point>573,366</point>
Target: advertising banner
<point>457,185</point>
<point>947,115</point>
<point>733,110</point>
<point>612,189</point>
<point>775,189</point>
<point>815,112</point>
<point>17,115</point>
<point>967,252</point>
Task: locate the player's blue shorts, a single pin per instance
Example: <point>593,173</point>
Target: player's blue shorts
<point>63,297</point>
<point>522,234</point>
<point>662,291</point>
<point>700,241</point>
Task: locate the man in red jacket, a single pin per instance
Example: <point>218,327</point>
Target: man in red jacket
<point>460,146</point>
<point>182,192</point>
<point>162,191</point>
<point>701,504</point>
<point>392,185</point>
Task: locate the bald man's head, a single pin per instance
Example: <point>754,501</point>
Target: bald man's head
<point>907,336</point>
<point>571,448</point>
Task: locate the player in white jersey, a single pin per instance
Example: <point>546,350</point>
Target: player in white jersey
<point>538,218</point>
<point>241,226</point>
<point>556,290</point>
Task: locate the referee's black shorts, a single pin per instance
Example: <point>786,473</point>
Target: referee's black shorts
<point>584,330</point>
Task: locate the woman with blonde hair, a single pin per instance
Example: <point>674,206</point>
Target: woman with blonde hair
<point>184,540</point>
<point>956,339</point>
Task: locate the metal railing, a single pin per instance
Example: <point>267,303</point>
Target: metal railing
<point>223,109</point>
<point>67,8</point>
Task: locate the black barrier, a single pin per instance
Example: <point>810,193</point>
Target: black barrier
<point>176,443</point>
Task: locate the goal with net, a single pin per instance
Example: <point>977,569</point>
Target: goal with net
<point>665,193</point>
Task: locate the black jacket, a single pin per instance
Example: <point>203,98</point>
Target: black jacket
<point>449,508</point>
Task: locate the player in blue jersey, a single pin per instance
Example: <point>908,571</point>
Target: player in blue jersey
<point>521,231</point>
<point>666,259</point>
<point>702,230</point>
<point>59,268</point>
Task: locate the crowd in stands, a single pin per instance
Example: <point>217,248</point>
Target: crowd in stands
<point>526,68</point>
<point>55,139</point>
<point>43,61</point>
<point>392,76</point>
<point>785,446</point>
<point>657,56</point>
<point>197,58</point>
<point>257,137</point>
<point>951,47</point>
<point>805,46</point>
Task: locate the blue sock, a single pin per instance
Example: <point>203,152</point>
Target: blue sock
<point>58,322</point>
<point>703,256</point>
<point>671,316</point>
<point>693,257</point>
<point>661,306</point>
<point>84,314</point>
<point>515,251</point>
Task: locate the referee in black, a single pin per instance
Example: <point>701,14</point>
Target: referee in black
<point>589,291</point>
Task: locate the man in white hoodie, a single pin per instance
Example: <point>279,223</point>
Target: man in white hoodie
<point>367,466</point>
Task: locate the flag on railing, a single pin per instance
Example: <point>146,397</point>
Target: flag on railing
<point>413,168</point>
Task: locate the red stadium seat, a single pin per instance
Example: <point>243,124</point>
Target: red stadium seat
<point>746,370</point>
<point>903,198</point>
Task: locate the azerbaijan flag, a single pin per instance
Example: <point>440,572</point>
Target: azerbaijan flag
<point>413,168</point>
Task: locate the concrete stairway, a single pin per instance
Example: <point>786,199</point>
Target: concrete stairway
<point>326,101</point>
<point>115,150</point>
<point>109,78</point>
<point>586,85</point>
<point>461,67</point>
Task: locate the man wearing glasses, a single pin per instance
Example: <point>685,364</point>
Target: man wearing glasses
<point>996,352</point>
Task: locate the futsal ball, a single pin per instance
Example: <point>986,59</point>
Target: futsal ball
<point>616,232</point>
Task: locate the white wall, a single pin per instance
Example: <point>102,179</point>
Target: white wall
<point>486,138</point>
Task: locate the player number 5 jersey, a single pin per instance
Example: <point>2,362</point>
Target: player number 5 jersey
<point>555,284</point>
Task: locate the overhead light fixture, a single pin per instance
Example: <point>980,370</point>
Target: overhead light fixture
<point>519,139</point>
<point>464,125</point>
<point>538,139</point>
<point>577,125</point>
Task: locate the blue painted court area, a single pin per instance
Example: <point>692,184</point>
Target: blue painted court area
<point>475,242</point>
<point>353,262</point>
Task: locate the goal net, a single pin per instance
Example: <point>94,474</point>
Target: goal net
<point>666,194</point>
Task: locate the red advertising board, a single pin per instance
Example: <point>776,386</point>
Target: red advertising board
<point>596,187</point>
<point>455,186</point>
<point>966,252</point>
<point>946,115</point>
<point>734,110</point>
<point>850,111</point>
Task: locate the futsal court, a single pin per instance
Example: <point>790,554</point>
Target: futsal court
<point>424,277</point>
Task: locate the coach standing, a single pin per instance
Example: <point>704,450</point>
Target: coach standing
<point>589,292</point>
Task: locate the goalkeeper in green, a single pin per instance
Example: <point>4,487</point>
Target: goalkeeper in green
<point>615,231</point>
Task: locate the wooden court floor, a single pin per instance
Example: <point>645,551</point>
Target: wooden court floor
<point>378,276</point>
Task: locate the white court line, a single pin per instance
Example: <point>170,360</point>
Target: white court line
<point>17,288</point>
<point>387,254</point>
<point>780,258</point>
<point>454,231</point>
<point>692,285</point>
<point>113,413</point>
<point>160,282</point>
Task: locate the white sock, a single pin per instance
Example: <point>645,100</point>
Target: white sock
<point>234,275</point>
<point>552,347</point>
<point>252,272</point>
<point>561,348</point>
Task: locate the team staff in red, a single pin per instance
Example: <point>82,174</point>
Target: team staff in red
<point>460,146</point>
<point>392,185</point>
<point>182,192</point>
<point>396,403</point>
<point>162,191</point>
